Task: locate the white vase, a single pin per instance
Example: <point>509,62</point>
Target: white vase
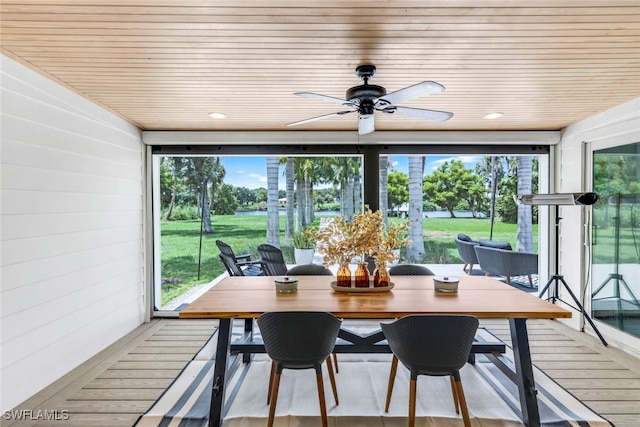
<point>304,256</point>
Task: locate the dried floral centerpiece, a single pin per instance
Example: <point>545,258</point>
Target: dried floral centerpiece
<point>392,238</point>
<point>366,234</point>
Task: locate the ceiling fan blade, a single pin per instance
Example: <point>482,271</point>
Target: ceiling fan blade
<point>324,98</point>
<point>366,124</point>
<point>419,113</point>
<point>326,116</point>
<point>410,92</point>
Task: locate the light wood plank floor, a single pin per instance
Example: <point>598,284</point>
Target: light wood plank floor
<point>119,384</point>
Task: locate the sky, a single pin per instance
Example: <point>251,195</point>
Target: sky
<point>251,171</point>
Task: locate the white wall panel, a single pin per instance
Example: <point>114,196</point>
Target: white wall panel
<point>72,242</point>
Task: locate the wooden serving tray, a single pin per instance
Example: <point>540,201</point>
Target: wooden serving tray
<point>353,288</point>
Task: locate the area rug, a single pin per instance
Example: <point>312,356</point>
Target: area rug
<point>362,383</point>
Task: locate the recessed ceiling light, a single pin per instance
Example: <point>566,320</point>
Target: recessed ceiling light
<point>492,116</point>
<point>217,115</point>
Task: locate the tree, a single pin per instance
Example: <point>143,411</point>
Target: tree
<point>397,189</point>
<point>261,194</point>
<point>289,172</point>
<point>451,183</point>
<point>492,171</point>
<point>224,200</point>
<point>384,184</point>
<point>610,178</point>
<point>525,174</point>
<point>202,171</point>
<point>171,176</point>
<point>506,207</point>
<point>273,214</point>
<point>244,196</point>
<point>415,251</point>
<point>342,168</point>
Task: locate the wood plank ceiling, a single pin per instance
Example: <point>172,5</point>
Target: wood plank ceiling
<point>167,64</point>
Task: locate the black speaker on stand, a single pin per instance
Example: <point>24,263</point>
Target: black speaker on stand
<point>557,279</point>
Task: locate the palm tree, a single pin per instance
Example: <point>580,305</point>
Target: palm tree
<point>415,251</point>
<point>525,173</point>
<point>273,221</point>
<point>289,177</point>
<point>383,204</point>
<point>492,171</point>
<point>301,170</point>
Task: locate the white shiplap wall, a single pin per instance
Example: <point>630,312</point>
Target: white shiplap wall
<point>72,231</point>
<point>619,125</point>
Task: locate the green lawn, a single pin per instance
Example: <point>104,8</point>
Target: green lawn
<point>181,239</point>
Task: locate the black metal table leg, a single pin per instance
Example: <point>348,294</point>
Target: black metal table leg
<point>524,373</point>
<point>248,331</point>
<point>219,371</point>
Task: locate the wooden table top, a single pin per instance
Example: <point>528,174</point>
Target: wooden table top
<point>483,297</point>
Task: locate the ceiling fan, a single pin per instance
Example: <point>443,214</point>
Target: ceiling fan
<point>365,99</point>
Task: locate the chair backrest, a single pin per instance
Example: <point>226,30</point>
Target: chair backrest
<point>410,270</point>
<point>432,344</point>
<point>231,267</point>
<point>229,259</point>
<point>299,338</point>
<point>272,260</point>
<point>505,262</point>
<point>466,251</point>
<point>309,270</point>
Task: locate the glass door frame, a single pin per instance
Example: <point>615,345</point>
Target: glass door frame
<point>621,339</point>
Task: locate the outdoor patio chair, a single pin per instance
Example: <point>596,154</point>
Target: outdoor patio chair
<point>299,340</point>
<point>465,250</point>
<point>272,260</point>
<point>436,345</point>
<point>507,263</point>
<point>238,265</point>
<point>410,270</point>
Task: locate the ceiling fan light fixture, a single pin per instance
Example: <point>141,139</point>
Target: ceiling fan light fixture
<point>492,116</point>
<point>217,115</point>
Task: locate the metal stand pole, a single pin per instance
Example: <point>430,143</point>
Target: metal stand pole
<point>556,279</point>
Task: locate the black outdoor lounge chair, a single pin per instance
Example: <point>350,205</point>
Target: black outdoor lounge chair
<point>272,260</point>
<point>238,265</point>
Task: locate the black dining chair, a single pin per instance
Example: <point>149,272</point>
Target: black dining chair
<point>410,270</point>
<point>309,270</point>
<point>299,340</point>
<point>436,345</point>
<point>272,260</point>
<point>313,270</point>
<point>238,265</point>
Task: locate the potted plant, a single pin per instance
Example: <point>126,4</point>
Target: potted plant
<point>304,245</point>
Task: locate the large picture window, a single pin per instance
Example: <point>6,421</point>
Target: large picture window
<point>249,199</point>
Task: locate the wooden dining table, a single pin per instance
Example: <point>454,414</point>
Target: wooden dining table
<point>484,297</point>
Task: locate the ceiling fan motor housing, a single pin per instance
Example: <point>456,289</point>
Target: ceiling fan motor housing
<point>365,92</point>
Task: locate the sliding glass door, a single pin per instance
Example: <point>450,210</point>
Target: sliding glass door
<point>616,238</point>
